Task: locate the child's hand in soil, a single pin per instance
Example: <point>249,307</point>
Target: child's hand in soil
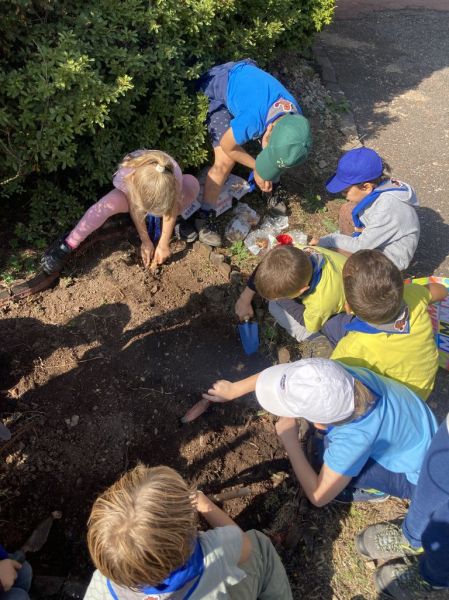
<point>201,502</point>
<point>221,391</point>
<point>8,573</point>
<point>147,252</point>
<point>161,254</point>
<point>314,241</point>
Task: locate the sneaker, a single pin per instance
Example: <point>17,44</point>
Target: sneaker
<point>54,258</point>
<point>185,230</point>
<point>384,541</point>
<point>207,227</point>
<point>276,201</point>
<point>402,580</point>
<point>349,495</point>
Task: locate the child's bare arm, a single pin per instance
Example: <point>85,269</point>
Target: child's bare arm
<point>437,291</point>
<point>163,251</point>
<point>218,518</point>
<point>147,249</point>
<point>319,488</point>
<point>223,391</point>
<point>238,154</point>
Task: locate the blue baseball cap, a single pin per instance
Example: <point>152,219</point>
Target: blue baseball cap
<point>356,166</point>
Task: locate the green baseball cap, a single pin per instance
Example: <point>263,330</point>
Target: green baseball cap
<point>289,145</point>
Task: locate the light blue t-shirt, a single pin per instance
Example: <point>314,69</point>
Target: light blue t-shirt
<point>396,434</point>
<point>251,93</point>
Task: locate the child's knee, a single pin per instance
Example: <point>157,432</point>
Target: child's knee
<point>345,223</point>
<point>190,188</point>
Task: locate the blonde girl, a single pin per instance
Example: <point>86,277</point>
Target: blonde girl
<point>146,182</point>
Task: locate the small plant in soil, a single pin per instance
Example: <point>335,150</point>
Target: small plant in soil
<point>21,264</point>
<point>239,252</point>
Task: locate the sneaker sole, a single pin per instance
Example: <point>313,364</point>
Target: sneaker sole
<point>370,501</point>
<point>208,243</point>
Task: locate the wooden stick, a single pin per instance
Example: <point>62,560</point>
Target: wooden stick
<point>231,494</point>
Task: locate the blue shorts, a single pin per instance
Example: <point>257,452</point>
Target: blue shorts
<point>214,84</point>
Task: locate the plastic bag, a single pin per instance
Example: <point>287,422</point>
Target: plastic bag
<point>260,241</point>
<point>246,212</point>
<point>292,238</point>
<point>237,229</point>
<point>274,224</point>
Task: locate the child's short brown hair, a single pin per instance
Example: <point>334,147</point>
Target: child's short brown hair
<point>282,272</point>
<point>373,286</point>
<point>143,527</point>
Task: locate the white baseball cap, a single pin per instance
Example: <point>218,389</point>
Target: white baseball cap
<point>318,389</point>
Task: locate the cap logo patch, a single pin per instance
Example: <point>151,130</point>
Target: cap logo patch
<point>282,382</point>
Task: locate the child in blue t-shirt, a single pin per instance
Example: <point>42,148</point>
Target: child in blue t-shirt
<point>246,103</point>
<point>377,430</point>
<point>417,550</point>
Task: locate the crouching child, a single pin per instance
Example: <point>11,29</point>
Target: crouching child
<point>144,541</point>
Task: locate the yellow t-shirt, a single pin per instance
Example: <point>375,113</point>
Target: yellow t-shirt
<point>410,358</point>
<point>328,297</point>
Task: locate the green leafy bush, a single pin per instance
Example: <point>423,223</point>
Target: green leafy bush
<point>83,82</point>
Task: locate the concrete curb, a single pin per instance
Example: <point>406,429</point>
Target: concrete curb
<point>330,81</point>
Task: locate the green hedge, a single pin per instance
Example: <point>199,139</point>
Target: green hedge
<point>83,82</point>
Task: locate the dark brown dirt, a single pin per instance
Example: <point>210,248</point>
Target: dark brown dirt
<point>96,374</point>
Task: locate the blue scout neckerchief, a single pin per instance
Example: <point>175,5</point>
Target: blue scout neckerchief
<point>192,570</point>
<point>362,417</point>
<point>367,201</point>
<point>317,266</point>
<point>401,324</point>
<point>154,227</point>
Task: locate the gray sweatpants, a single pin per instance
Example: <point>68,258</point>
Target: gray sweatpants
<point>289,314</point>
<point>266,577</point>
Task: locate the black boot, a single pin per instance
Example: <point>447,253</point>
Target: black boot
<point>276,201</point>
<point>54,258</point>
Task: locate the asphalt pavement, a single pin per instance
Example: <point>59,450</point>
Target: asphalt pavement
<point>391,59</point>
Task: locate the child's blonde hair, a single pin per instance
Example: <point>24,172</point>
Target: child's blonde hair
<point>152,185</point>
<point>143,527</point>
<point>363,401</point>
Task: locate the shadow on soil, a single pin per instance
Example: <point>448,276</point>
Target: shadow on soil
<point>120,403</point>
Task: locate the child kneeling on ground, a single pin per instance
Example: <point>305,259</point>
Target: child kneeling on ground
<point>376,430</point>
<point>148,182</point>
<point>303,285</point>
<point>144,541</point>
<point>382,210</point>
<point>388,327</point>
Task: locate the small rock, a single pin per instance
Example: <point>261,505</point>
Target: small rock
<point>322,164</point>
<point>283,355</point>
<point>216,258</point>
<point>235,277</point>
<point>225,269</point>
<point>154,289</point>
<point>202,249</point>
<point>73,421</point>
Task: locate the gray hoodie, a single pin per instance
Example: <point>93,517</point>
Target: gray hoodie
<point>391,225</point>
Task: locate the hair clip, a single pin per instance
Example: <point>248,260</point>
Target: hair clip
<point>160,168</point>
